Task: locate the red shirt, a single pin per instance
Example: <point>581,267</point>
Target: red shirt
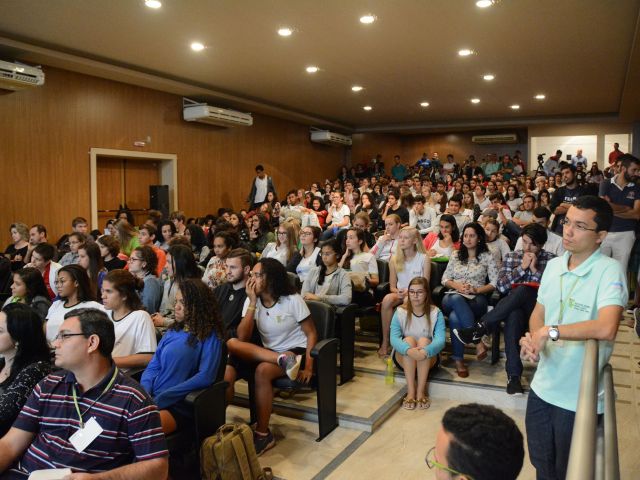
<point>613,156</point>
<point>45,277</point>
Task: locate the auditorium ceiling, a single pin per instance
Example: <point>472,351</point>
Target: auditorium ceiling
<point>582,55</point>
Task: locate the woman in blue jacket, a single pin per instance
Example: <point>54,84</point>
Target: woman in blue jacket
<point>417,337</point>
<point>188,356</point>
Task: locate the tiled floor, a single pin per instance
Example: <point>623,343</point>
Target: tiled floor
<point>396,448</point>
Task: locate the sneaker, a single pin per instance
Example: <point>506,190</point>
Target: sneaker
<point>262,443</point>
<point>514,387</point>
<point>470,335</point>
<point>290,363</point>
<point>636,320</point>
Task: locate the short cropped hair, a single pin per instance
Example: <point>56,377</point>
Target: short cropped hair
<point>40,228</point>
<point>604,212</point>
<point>537,233</point>
<point>96,322</point>
<point>244,255</point>
<point>480,434</point>
<point>627,159</point>
<point>78,220</point>
<point>542,212</point>
<point>46,251</point>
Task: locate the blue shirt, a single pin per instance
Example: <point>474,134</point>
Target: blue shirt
<point>178,368</point>
<point>626,196</point>
<point>399,172</point>
<point>598,282</point>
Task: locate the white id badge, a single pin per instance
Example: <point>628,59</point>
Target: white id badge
<point>84,436</point>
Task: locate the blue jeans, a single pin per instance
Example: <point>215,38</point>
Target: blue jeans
<point>549,430</point>
<point>462,313</point>
<point>329,233</point>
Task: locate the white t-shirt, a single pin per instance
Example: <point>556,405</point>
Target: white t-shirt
<point>307,264</point>
<point>425,222</point>
<point>553,244</point>
<point>281,253</point>
<point>56,314</point>
<point>364,262</point>
<point>384,249</point>
<point>261,189</point>
<point>418,327</point>
<point>498,249</point>
<point>279,326</point>
<point>135,333</point>
<point>442,251</point>
<point>411,270</point>
<point>339,214</point>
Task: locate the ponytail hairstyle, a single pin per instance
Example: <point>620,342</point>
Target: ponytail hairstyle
<point>335,246</point>
<point>398,258</point>
<point>428,301</point>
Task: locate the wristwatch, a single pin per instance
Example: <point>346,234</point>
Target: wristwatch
<point>554,333</point>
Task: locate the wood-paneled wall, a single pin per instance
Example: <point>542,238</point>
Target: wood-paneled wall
<point>46,134</point>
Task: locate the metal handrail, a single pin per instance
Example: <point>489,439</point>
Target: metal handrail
<point>582,456</point>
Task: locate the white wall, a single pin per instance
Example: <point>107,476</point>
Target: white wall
<point>568,144</point>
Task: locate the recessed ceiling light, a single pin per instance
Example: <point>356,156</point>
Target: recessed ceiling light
<point>424,104</point>
<point>475,100</point>
<point>488,77</point>
<point>540,96</point>
<point>366,19</point>
<point>312,69</point>
<point>515,107</point>
<point>367,108</point>
<point>197,46</point>
<point>153,4</point>
<point>484,3</point>
<point>357,88</point>
<point>465,52</point>
<point>285,32</point>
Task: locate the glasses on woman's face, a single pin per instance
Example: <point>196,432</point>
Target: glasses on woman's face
<point>256,274</point>
<point>305,234</point>
<point>417,293</point>
<point>282,234</point>
<point>134,259</point>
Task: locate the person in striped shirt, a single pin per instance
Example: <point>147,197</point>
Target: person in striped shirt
<point>89,395</point>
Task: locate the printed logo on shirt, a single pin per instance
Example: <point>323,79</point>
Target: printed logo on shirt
<point>581,307</point>
<point>631,195</point>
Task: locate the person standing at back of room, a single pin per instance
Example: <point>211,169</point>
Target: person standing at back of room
<point>262,184</point>
<point>581,296</point>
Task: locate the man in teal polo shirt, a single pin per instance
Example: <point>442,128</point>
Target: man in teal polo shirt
<point>582,296</point>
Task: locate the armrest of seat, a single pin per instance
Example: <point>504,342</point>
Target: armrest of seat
<point>324,347</point>
<point>382,289</point>
<point>209,409</point>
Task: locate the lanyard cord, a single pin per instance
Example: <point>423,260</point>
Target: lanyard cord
<point>106,389</point>
<point>562,302</point>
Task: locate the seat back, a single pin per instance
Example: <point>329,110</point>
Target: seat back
<point>324,319</point>
<point>222,366</point>
<point>294,280</point>
<point>437,270</point>
<point>383,270</point>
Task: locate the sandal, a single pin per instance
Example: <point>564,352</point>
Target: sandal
<point>462,370</point>
<point>424,403</point>
<point>482,354</point>
<point>408,403</point>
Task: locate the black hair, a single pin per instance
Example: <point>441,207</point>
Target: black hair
<point>627,159</point>
<point>276,278</point>
<point>316,232</point>
<point>127,285</point>
<point>40,228</point>
<point>542,212</point>
<point>46,251</point>
<point>96,322</point>
<point>230,240</point>
<point>419,198</point>
<point>570,166</point>
<point>96,265</point>
<point>24,326</point>
<point>79,275</point>
<point>480,434</point>
<point>201,312</point>
<point>537,233</point>
<point>604,212</point>
<point>481,247</point>
<point>456,198</point>
<point>33,282</point>
<point>259,168</point>
<point>451,220</point>
<point>160,227</point>
<point>149,257</point>
<point>335,246</point>
<point>198,239</point>
<point>362,239</point>
<point>128,214</point>
<point>183,263</point>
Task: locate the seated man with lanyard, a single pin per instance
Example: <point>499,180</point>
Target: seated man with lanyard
<point>518,282</point>
<point>89,419</point>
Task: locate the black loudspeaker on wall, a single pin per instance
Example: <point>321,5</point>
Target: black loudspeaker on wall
<point>159,199</point>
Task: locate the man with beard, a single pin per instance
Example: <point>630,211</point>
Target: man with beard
<point>564,196</point>
<point>623,194</point>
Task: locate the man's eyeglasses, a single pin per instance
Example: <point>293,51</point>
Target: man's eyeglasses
<point>565,222</point>
<point>63,336</point>
<point>431,462</point>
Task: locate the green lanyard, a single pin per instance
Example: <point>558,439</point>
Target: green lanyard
<point>563,303</point>
<point>106,389</point>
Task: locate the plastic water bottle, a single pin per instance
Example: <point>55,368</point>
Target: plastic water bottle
<point>389,378</point>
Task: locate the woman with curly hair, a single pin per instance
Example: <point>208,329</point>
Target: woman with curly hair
<point>288,335</point>
<point>188,356</point>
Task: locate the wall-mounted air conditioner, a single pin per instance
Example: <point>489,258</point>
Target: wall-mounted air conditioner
<point>330,138</point>
<point>223,117</point>
<point>15,76</point>
<point>495,139</point>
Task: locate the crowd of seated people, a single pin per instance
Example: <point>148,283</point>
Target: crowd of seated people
<point>194,283</point>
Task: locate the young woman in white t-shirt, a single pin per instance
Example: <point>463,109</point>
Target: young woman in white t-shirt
<point>338,216</point>
<point>309,255</point>
<point>285,245</point>
<point>417,337</point>
<point>135,333</point>
<point>361,263</point>
<point>288,335</point>
<point>75,292</point>
<point>387,244</point>
<point>409,261</point>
